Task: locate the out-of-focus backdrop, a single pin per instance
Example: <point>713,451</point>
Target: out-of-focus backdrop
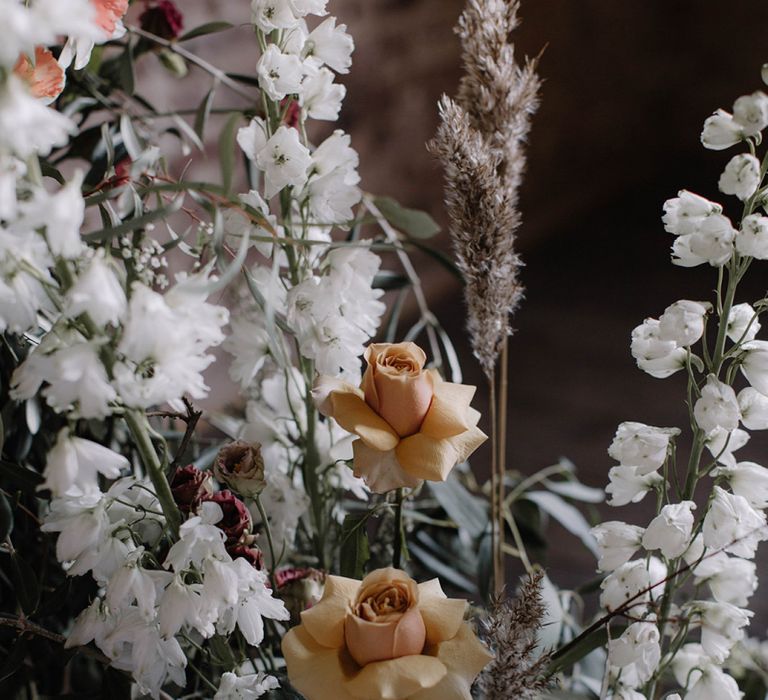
<point>627,87</point>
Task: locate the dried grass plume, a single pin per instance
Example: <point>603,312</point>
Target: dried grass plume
<point>480,144</point>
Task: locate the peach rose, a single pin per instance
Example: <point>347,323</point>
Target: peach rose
<point>109,13</point>
<point>411,424</point>
<point>384,637</point>
<point>45,78</point>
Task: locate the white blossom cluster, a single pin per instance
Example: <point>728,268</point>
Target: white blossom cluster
<point>315,296</point>
<point>715,543</point>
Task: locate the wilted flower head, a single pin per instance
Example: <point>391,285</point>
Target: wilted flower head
<point>299,589</point>
<point>240,466</point>
<point>190,487</point>
<point>163,19</point>
<point>236,521</point>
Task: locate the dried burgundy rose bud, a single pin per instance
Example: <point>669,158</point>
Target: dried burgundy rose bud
<point>190,487</point>
<point>162,19</point>
<point>291,118</point>
<point>253,555</point>
<point>299,589</point>
<point>236,522</point>
<point>241,467</point>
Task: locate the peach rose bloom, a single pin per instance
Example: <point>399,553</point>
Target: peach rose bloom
<point>384,637</point>
<point>45,78</point>
<point>411,424</point>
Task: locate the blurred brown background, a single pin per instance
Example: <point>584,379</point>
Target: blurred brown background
<point>628,85</point>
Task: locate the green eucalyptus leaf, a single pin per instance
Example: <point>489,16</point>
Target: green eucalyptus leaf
<point>466,510</point>
<point>22,477</point>
<point>203,113</point>
<point>575,651</point>
<point>415,223</point>
<point>388,280</point>
<point>125,72</point>
<point>355,551</point>
<point>203,29</point>
<point>227,149</point>
<point>131,225</point>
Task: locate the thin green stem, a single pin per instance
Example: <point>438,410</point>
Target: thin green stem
<point>270,542</point>
<point>139,427</point>
<point>397,544</point>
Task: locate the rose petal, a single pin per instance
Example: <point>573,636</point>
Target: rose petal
<point>381,470</point>
<point>396,679</point>
<point>466,443</point>
<point>368,642</point>
<point>314,670</point>
<point>442,616</point>
<point>325,621</point>
<point>425,457</point>
<point>345,404</point>
<point>403,400</point>
<point>448,414</point>
<point>464,656</point>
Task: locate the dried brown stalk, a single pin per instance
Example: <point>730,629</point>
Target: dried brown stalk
<point>519,670</point>
<point>481,145</point>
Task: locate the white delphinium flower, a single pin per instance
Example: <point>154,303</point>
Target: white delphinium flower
<point>722,444</point>
<point>133,502</point>
<point>617,543</point>
<point>77,380</point>
<point>659,358</point>
<point>284,161</point>
<point>330,45</point>
<point>636,653</point>
<point>752,237</point>
<point>98,293</point>
<point>712,243</point>
<point>244,687</point>
<point>749,480</point>
<point>642,446</point>
<point>741,176</point>
<point>754,408</point>
<point>717,407</point>
<point>623,692</point>
<point>272,14</point>
<point>750,112</point>
<point>24,263</point>
<point>731,579</point>
<point>683,322</point>
<point>27,126</point>
<point>721,131</point>
<point>302,8</point>
<point>131,583</point>
<point>253,602</point>
<point>694,670</point>
<point>181,606</point>
<point>249,344</point>
<point>320,97</point>
<point>754,364</point>
<point>61,214</point>
<point>81,521</point>
<point>743,325</point>
<point>164,344</point>
<point>199,540</point>
<point>670,531</point>
<point>685,213</point>
<point>76,462</point>
<point>11,171</point>
<point>629,485</point>
<point>106,558</point>
<point>332,186</point>
<point>280,74</point>
<point>732,525</point>
<point>633,581</point>
<point>722,625</point>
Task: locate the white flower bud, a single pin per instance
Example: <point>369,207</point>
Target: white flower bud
<point>732,525</point>
<point>750,112</point>
<point>755,365</point>
<point>717,407</point>
<point>722,625</point>
<point>636,652</point>
<point>670,531</point>
<point>683,322</point>
<point>754,409</point>
<point>617,542</point>
<point>642,446</point>
<point>628,485</point>
<point>659,358</point>
<point>749,480</point>
<point>752,238</point>
<point>741,176</point>
<point>742,323</point>
<point>721,131</point>
<point>713,242</point>
<point>684,214</point>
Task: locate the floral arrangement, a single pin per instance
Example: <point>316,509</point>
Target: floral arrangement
<point>325,538</point>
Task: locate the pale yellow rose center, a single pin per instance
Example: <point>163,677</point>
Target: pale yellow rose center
<point>389,602</point>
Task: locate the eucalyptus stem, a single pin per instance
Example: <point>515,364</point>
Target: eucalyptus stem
<point>139,427</point>
<point>270,542</point>
<point>397,544</point>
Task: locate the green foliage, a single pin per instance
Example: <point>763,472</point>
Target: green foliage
<point>355,550</point>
